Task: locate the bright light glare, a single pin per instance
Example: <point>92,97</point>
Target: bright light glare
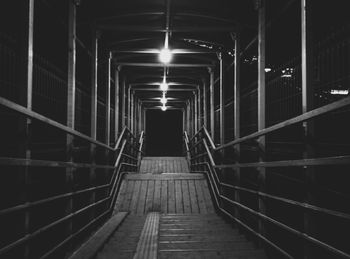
<point>163,100</point>
<point>165,55</point>
<point>164,86</point>
<point>163,108</point>
<point>268,69</point>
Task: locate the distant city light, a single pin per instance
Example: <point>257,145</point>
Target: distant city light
<point>165,55</point>
<point>268,69</point>
<point>339,92</point>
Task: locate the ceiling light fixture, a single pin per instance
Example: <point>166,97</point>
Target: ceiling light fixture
<point>165,55</point>
<point>163,108</point>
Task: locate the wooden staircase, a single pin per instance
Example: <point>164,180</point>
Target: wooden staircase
<point>202,236</point>
<point>170,215</point>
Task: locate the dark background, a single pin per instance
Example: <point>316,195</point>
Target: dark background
<point>164,133</point>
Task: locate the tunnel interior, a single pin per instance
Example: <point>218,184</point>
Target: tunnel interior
<point>164,133</point>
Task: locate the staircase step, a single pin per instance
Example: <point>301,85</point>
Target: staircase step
<point>229,245</point>
<point>175,237</point>
<point>210,254</point>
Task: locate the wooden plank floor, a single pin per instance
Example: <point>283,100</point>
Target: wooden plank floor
<point>164,193</point>
<point>159,165</point>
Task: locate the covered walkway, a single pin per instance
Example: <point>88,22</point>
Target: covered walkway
<point>174,129</point>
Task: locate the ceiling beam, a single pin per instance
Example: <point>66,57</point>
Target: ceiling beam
<point>157,51</point>
<point>158,83</point>
<point>137,64</point>
<point>137,28</point>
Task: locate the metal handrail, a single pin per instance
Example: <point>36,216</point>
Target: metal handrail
<point>298,119</point>
<point>113,185</point>
<point>214,181</point>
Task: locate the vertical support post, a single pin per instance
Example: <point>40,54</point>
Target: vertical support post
<point>116,104</point>
<point>70,106</point>
<point>183,119</point>
<point>144,119</point>
<point>93,130</point>
<point>123,102</point>
<point>131,115</point>
<point>307,105</point>
<point>261,108</point>
<point>25,98</point>
<point>212,115</point>
<point>222,100</point>
<point>195,119</point>
<point>128,116</point>
<point>139,117</point>
<point>108,101</point>
<point>199,102</point>
<point>188,117</point>
<point>237,114</point>
<point>205,115</point>
<point>94,86</point>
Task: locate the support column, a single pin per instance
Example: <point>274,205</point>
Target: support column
<point>94,87</point>
<point>123,103</point>
<point>93,126</point>
<point>188,117</point>
<point>128,116</point>
<point>195,119</point>
<point>183,120</point>
<point>108,101</point>
<point>131,115</point>
<point>25,99</point>
<point>212,112</point>
<point>222,100</point>
<point>199,102</point>
<point>308,127</point>
<point>261,109</point>
<point>236,115</point>
<point>116,104</point>
<point>139,117</point>
<point>205,115</point>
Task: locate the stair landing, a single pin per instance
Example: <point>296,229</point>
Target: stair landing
<point>159,165</point>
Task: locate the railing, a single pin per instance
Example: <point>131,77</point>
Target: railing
<point>186,148</point>
<point>228,190</point>
<point>141,148</point>
<point>60,203</point>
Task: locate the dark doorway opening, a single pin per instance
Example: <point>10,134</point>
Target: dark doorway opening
<point>164,133</point>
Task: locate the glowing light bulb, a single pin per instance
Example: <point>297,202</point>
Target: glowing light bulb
<point>163,108</point>
<point>164,86</point>
<point>163,100</point>
<point>165,55</point>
